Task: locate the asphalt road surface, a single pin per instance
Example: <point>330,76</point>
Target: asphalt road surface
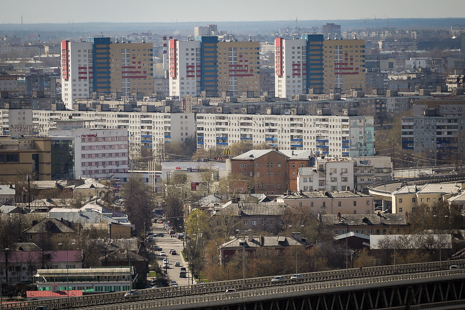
<point>167,243</point>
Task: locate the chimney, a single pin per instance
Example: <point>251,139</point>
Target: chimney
<point>300,192</point>
<point>250,238</point>
<point>262,240</point>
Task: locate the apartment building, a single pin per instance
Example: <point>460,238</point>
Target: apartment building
<point>332,136</point>
<point>311,64</point>
<point>131,68</point>
<point>76,71</point>
<point>437,137</point>
<point>207,65</point>
<point>298,66</point>
<point>344,65</point>
<point>148,130</point>
<point>104,67</point>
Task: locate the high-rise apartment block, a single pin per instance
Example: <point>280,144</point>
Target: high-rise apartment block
<point>298,65</point>
<point>332,31</point>
<point>312,65</point>
<point>104,67</point>
<point>206,65</point>
<point>76,71</point>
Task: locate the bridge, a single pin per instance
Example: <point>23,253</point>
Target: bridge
<point>411,286</point>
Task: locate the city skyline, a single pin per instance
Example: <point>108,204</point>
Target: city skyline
<point>52,11</point>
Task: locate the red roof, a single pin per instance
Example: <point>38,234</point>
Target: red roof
<point>51,294</point>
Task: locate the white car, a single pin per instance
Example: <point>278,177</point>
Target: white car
<point>278,279</point>
<point>162,253</point>
<point>296,276</point>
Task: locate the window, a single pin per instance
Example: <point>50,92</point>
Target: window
<point>400,200</point>
<point>427,199</point>
<point>413,199</point>
<point>279,165</point>
<point>254,222</point>
<point>258,165</point>
<point>311,204</point>
<point>240,165</point>
<point>324,204</point>
<point>339,203</point>
<point>355,203</point>
<point>422,199</point>
<point>293,165</point>
<point>12,158</point>
<point>245,222</point>
<point>368,202</point>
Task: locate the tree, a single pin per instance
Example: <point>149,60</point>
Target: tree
<point>235,184</point>
<point>174,206</point>
<point>139,204</point>
<point>238,148</point>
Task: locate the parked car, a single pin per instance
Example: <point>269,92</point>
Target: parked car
<point>162,253</point>
<point>296,276</point>
<point>278,279</point>
<point>157,248</point>
<point>230,290</point>
<point>132,293</point>
<point>166,265</point>
<point>177,264</point>
<point>454,267</point>
<point>42,308</point>
<point>183,269</point>
<point>160,235</point>
<point>173,283</point>
<point>173,252</point>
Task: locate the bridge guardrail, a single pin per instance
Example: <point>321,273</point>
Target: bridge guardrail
<point>219,287</point>
<point>273,291</point>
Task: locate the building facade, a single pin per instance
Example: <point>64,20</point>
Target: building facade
<point>104,67</point>
<point>211,67</point>
<point>333,136</point>
<point>311,64</point>
<point>97,153</point>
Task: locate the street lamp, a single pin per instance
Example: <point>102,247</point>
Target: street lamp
<point>296,257</point>
<point>67,268</point>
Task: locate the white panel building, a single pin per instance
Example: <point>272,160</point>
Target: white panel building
<point>331,136</point>
<point>293,55</point>
<point>76,75</point>
<point>185,66</point>
<point>328,175</point>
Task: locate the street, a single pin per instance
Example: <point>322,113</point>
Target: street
<point>167,243</point>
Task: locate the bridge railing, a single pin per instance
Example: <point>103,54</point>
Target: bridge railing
<point>252,283</point>
<point>269,293</point>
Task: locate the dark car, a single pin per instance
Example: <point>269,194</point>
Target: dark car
<point>173,252</point>
<point>42,308</point>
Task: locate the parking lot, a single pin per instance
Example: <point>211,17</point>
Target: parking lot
<point>166,243</point>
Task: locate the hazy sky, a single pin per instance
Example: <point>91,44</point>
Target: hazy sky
<point>78,11</point>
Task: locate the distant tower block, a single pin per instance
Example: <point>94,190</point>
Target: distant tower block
<point>165,54</point>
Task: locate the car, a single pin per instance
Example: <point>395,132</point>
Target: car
<point>42,308</point>
<point>160,222</point>
<point>166,265</point>
<point>165,260</point>
<point>183,269</point>
<point>230,290</point>
<point>160,235</point>
<point>132,293</point>
<point>162,253</point>
<point>173,283</point>
<point>173,252</point>
<point>278,279</point>
<point>177,264</point>
<point>157,248</point>
<point>454,267</point>
<point>296,276</point>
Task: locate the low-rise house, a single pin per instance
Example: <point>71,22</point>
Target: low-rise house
<point>254,216</point>
<point>251,243</point>
<point>366,224</point>
<point>321,202</point>
<point>55,231</point>
<point>7,194</point>
<point>20,265</point>
<point>409,197</point>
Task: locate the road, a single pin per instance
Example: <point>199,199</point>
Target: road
<point>167,243</point>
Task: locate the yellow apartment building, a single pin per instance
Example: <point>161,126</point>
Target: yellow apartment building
<point>344,65</point>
